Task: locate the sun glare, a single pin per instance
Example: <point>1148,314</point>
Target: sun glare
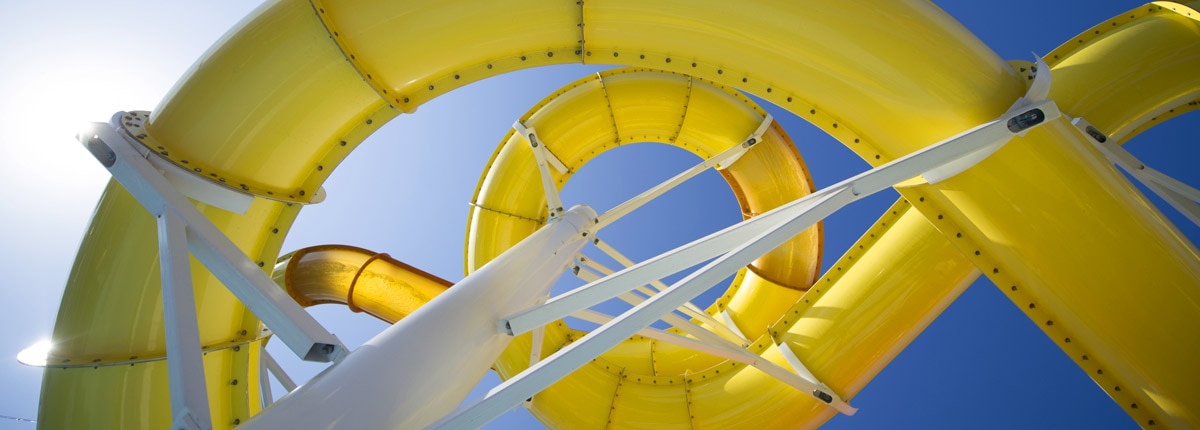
<point>36,355</point>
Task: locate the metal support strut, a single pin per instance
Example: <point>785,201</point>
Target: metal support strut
<point>183,230</point>
<point>1179,195</point>
<point>719,161</point>
<point>732,248</point>
<point>545,159</point>
<point>185,365</point>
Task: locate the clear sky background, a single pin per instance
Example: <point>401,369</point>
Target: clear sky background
<point>405,191</point>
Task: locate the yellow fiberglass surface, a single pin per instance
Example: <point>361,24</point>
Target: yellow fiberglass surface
<point>283,98</point>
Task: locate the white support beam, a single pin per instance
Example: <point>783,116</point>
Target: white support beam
<point>554,204</point>
<point>732,248</point>
<point>766,232</point>
<point>396,367</point>
<point>729,323</point>
<point>797,366</point>
<point>802,379</point>
<point>1178,201</point>
<point>1179,195</point>
<point>642,273</point>
<point>561,363</point>
<point>688,308</point>
<point>295,327</point>
<point>612,253</point>
<point>732,155</point>
<point>723,350</point>
<point>535,355</point>
<point>264,377</point>
<point>280,375</point>
<point>810,208</point>
<point>605,271</point>
<point>185,360</point>
<point>677,322</point>
<point>725,158</point>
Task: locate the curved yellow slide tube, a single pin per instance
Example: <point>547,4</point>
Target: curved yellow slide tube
<point>363,280</point>
<point>304,89</point>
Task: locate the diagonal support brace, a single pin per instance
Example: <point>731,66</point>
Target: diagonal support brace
<point>725,158</point>
<point>734,247</point>
<point>1179,195</point>
<point>545,159</point>
<point>820,203</point>
<point>298,330</point>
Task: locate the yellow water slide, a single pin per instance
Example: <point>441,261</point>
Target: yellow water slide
<point>282,99</point>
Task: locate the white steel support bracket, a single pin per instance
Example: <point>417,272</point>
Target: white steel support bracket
<point>725,329</point>
<point>819,203</point>
<point>733,248</point>
<point>725,159</point>
<point>1179,195</point>
<point>670,318</point>
<point>295,327</point>
<point>1038,90</point>
<point>731,155</point>
<point>688,308</point>
<point>271,367</point>
<point>185,363</point>
<point>821,392</point>
<point>265,394</point>
<point>535,355</point>
<point>545,159</point>
<point>801,379</point>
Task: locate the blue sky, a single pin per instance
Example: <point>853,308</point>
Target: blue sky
<point>981,364</point>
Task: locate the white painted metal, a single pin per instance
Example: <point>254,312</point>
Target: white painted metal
<point>797,366</point>
<point>554,204</point>
<point>612,253</point>
<point>725,158</point>
<point>264,377</point>
<point>723,350</point>
<point>554,161</point>
<point>688,308</point>
<point>754,137</point>
<point>765,233</point>
<point>192,184</point>
<point>280,375</point>
<point>676,321</point>
<point>535,354</point>
<point>730,324</point>
<point>244,278</point>
<point>185,362</point>
<point>1177,201</point>
<point>295,327</point>
<point>601,269</point>
<point>422,367</point>
<point>1039,89</point>
<point>575,355</point>
<point>642,273</point>
<point>802,380</point>
<point>697,330</point>
<point>199,188</point>
<point>822,202</point>
<point>1179,195</point>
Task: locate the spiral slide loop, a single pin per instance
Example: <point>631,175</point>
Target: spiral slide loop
<point>600,113</point>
